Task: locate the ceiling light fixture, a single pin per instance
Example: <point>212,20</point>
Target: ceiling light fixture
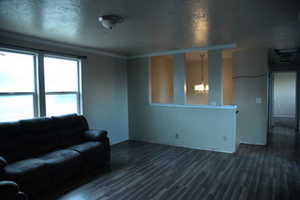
<point>202,87</point>
<point>109,21</point>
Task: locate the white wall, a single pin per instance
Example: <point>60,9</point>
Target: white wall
<point>284,91</point>
<point>104,83</point>
<point>201,128</point>
<point>250,67</point>
<point>105,96</point>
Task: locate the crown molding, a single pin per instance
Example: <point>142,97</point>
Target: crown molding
<point>187,50</point>
<point>26,38</point>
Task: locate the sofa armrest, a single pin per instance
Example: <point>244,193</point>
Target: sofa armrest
<point>3,162</point>
<point>10,190</point>
<point>99,135</point>
<point>96,135</point>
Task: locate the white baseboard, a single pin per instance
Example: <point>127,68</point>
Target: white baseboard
<point>184,146</point>
<point>284,116</point>
<point>113,142</point>
<point>261,144</point>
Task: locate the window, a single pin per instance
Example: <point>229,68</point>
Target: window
<point>61,85</point>
<point>17,85</point>
<point>21,86</point>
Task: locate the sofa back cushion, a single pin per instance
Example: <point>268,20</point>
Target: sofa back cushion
<point>10,132</point>
<point>70,129</point>
<point>40,136</point>
<point>33,137</point>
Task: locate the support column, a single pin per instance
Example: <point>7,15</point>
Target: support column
<point>215,77</point>
<point>179,79</point>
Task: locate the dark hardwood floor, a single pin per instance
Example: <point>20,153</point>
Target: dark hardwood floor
<point>152,171</point>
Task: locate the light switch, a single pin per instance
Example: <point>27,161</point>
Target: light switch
<point>258,100</point>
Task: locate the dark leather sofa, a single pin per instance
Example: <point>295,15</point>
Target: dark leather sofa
<point>44,152</point>
<point>9,190</point>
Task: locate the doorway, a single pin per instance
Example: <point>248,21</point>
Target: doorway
<point>283,99</point>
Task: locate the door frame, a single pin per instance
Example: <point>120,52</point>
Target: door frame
<point>271,92</point>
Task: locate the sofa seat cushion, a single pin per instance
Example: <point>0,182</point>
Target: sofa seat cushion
<point>86,147</point>
<point>62,164</point>
<point>27,173</point>
<point>27,167</point>
<point>93,153</point>
<point>60,156</point>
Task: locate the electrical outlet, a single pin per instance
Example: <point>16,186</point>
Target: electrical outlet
<point>258,100</point>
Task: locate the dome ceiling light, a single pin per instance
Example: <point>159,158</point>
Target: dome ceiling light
<point>110,21</point>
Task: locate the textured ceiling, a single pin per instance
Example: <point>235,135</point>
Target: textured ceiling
<point>156,25</point>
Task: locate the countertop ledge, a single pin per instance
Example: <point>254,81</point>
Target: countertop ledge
<point>195,106</point>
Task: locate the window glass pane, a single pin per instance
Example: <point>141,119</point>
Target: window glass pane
<point>16,72</point>
<point>61,104</point>
<point>16,107</point>
<point>60,74</point>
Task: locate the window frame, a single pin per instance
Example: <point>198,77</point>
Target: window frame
<point>78,93</point>
<point>39,93</point>
<point>35,84</point>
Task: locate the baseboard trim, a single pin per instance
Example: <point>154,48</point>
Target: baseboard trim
<point>184,146</point>
<point>113,142</point>
<point>260,144</point>
<point>284,116</point>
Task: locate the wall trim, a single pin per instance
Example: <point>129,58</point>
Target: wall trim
<point>25,38</point>
<point>117,141</point>
<point>187,50</point>
<point>260,144</point>
<point>207,149</point>
<point>284,116</point>
<point>183,146</point>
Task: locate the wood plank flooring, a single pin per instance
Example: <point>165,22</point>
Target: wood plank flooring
<point>158,172</point>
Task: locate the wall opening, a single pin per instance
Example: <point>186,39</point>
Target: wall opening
<point>197,87</point>
<point>161,79</point>
<point>195,83</point>
<point>284,99</point>
<point>227,77</point>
